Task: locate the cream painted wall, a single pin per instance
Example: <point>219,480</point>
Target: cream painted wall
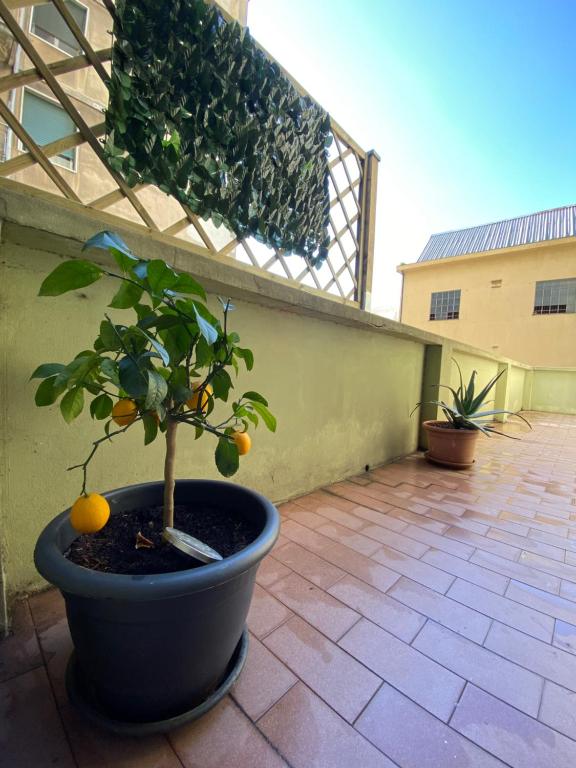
<point>499,320</point>
<point>342,396</point>
<point>516,388</point>
<point>553,390</point>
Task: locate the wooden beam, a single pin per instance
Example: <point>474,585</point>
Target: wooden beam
<point>57,68</point>
<point>365,264</point>
<point>73,113</point>
<point>37,153</point>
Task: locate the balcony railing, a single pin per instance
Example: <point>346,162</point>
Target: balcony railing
<point>78,85</point>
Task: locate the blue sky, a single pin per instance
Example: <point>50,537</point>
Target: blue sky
<point>470,103</point>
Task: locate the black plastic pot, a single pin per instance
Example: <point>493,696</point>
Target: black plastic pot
<point>152,648</point>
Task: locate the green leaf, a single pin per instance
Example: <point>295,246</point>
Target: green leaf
<point>165,357</point>
<point>255,397</point>
<point>72,404</point>
<point>267,417</point>
<point>208,331</point>
<point>49,391</point>
<point>132,379</point>
<point>150,428</point>
<point>47,369</point>
<point>101,406</point>
<point>109,336</point>
<point>128,295</point>
<point>157,390</point>
<point>107,240</point>
<point>109,368</point>
<point>69,276</point>
<point>187,284</point>
<point>227,459</point>
<point>222,383</point>
<point>247,355</point>
<point>160,276</point>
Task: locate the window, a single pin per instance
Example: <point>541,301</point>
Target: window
<point>445,305</point>
<point>46,121</point>
<point>48,24</point>
<point>554,297</point>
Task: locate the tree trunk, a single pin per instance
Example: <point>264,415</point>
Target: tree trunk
<point>169,480</point>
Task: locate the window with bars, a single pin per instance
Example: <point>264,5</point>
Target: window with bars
<point>445,305</point>
<point>555,297</point>
<point>46,121</point>
<point>48,24</point>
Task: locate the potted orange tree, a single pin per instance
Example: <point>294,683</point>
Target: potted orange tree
<point>158,576</point>
<point>452,443</point>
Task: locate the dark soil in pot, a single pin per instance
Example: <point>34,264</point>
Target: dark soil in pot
<point>114,550</point>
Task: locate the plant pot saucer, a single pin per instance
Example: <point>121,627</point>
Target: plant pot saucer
<point>450,464</point>
<point>79,697</point>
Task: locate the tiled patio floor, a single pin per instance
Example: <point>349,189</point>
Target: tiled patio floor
<point>408,617</point>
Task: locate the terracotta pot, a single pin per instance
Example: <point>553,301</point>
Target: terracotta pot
<point>450,447</point>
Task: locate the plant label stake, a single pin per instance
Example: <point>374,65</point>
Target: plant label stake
<point>190,546</point>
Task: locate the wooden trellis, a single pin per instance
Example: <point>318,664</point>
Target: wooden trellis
<point>347,272</point>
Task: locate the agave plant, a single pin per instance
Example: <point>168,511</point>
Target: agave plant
<point>466,411</point>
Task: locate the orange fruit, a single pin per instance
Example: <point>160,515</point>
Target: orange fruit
<point>89,513</point>
<point>196,402</point>
<point>124,412</point>
<point>243,442</point>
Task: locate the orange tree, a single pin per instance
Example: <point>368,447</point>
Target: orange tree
<point>167,368</point>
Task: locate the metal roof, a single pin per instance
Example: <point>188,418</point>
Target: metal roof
<point>534,228</point>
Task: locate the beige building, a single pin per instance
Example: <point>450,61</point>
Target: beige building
<point>44,119</point>
<point>507,287</point>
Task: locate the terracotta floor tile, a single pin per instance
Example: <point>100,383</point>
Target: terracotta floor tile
<point>271,570</point>
<point>335,676</point>
<point>31,732</point>
<point>306,537</point>
<point>543,659</point>
<point>364,568</point>
<point>418,677</point>
<point>517,739</point>
<point>456,548</point>
<point>568,590</point>
<point>323,611</point>
<point>381,609</point>
<point>483,543</point>
<point>224,738</point>
<point>516,571</point>
<point>311,735</point>
<point>384,519</point>
<point>565,636</point>
<point>95,748</point>
<point>562,543</point>
<point>309,565</point>
<point>334,514</point>
<point>56,645</point>
<point>414,738</point>
<point>509,682</point>
<point>442,609</point>
<point>356,541</point>
<point>19,652</point>
<point>547,565</point>
<point>266,613</point>
<point>546,602</point>
<point>304,516</point>
<point>416,570</point>
<point>421,521</point>
<point>558,709</point>
<point>263,681</point>
<point>501,608</point>
<point>527,544</point>
<point>395,540</point>
<point>47,608</point>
